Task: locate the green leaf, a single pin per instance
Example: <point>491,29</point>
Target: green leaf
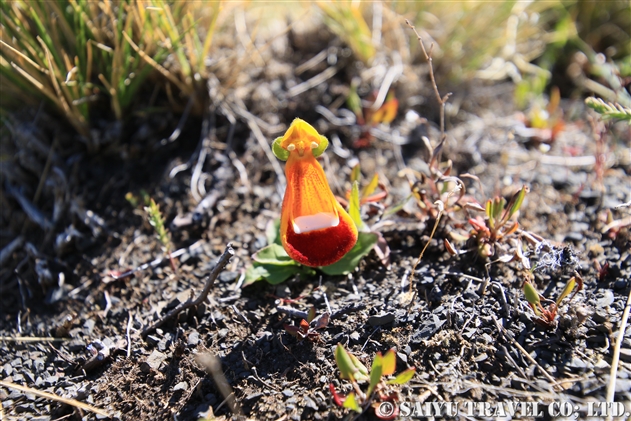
<point>253,274</point>
<point>361,374</point>
<point>569,287</point>
<point>351,403</point>
<point>365,242</point>
<point>354,210</point>
<point>489,213</point>
<point>396,208</point>
<point>274,254</point>
<point>344,363</point>
<point>375,373</point>
<point>274,274</point>
<point>353,102</point>
<point>609,110</point>
<point>371,187</point>
<point>389,362</point>
<point>280,152</point>
<point>516,201</point>
<point>532,296</point>
<point>311,314</point>
<point>272,231</point>
<point>403,377</point>
<point>356,174</point>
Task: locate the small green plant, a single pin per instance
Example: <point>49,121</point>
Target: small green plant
<point>379,388</point>
<point>367,117</point>
<point>546,315</point>
<point>488,232</point>
<point>609,110</point>
<point>157,222</point>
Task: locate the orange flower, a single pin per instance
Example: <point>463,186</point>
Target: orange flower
<point>314,228</point>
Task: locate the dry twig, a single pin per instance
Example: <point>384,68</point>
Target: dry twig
<point>72,402</point>
<point>210,281</point>
<point>442,100</point>
<point>611,387</point>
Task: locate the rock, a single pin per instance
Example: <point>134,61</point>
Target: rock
<point>7,370</point>
<point>288,393</point>
<point>193,338</point>
<point>625,355</point>
<point>181,386</point>
<point>310,403</point>
<point>381,319</point>
<point>253,396</point>
<point>155,359</point>
<point>606,300</point>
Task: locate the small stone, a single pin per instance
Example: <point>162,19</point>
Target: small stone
<point>381,319</point>
<point>620,284</point>
<point>153,340</point>
<point>310,403</point>
<point>253,396</point>
<point>39,365</point>
<point>354,336</point>
<point>625,355</point>
<point>193,338</point>
<point>181,386</point>
<point>88,326</point>
<point>155,359</point>
<point>7,370</point>
<point>288,393</point>
<point>606,300</point>
<point>228,276</point>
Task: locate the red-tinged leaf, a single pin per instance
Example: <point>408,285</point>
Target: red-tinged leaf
<point>351,403</point>
<point>386,113</point>
<point>478,225</point>
<point>403,377</point>
<point>389,362</point>
<point>450,248</point>
<point>338,399</point>
<point>377,197</point>
<point>294,330</point>
<point>304,326</point>
<point>322,321</point>
<point>383,250</point>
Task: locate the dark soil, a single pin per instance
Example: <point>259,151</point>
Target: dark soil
<point>458,329</point>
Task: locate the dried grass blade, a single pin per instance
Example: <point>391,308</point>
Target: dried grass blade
<point>57,398</point>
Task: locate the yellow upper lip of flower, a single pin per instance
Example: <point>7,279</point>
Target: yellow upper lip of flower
<point>300,137</point>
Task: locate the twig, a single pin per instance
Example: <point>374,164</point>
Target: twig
<point>611,387</point>
<point>212,364</point>
<point>72,402</point>
<point>32,339</point>
<point>210,281</point>
<point>128,335</point>
<point>441,100</point>
<point>178,130</point>
<point>517,345</point>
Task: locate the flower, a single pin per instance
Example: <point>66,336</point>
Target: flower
<point>314,228</point>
